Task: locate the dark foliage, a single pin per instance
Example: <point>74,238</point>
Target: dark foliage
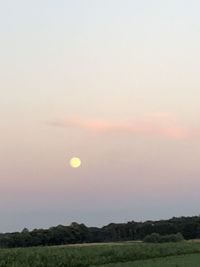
<point>157,238</point>
<point>188,227</point>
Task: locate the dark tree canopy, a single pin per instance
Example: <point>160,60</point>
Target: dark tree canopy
<point>188,227</point>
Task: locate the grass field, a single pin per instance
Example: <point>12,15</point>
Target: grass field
<point>192,260</point>
<point>105,255</point>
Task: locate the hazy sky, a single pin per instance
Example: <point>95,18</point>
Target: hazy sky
<point>115,82</point>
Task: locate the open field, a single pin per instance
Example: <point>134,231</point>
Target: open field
<point>107,255</point>
<point>191,260</point>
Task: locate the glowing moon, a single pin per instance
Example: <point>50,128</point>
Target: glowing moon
<point>75,162</point>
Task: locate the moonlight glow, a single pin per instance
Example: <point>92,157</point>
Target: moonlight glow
<point>75,162</point>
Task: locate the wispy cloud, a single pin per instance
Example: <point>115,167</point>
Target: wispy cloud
<point>156,124</point>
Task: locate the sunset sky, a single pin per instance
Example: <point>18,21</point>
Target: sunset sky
<point>114,82</point>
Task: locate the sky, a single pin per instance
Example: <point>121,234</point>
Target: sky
<point>114,82</point>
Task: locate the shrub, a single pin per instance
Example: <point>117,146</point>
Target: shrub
<point>157,238</point>
<point>152,238</point>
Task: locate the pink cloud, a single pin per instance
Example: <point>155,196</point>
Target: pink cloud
<point>175,132</point>
<point>153,125</point>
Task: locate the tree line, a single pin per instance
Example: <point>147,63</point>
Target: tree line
<point>188,227</point>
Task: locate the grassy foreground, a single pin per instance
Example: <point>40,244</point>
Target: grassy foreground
<point>101,255</point>
<point>191,260</point>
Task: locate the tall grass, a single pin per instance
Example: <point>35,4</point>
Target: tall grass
<point>91,255</point>
<point>192,260</point>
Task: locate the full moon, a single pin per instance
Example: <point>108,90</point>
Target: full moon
<point>75,162</point>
